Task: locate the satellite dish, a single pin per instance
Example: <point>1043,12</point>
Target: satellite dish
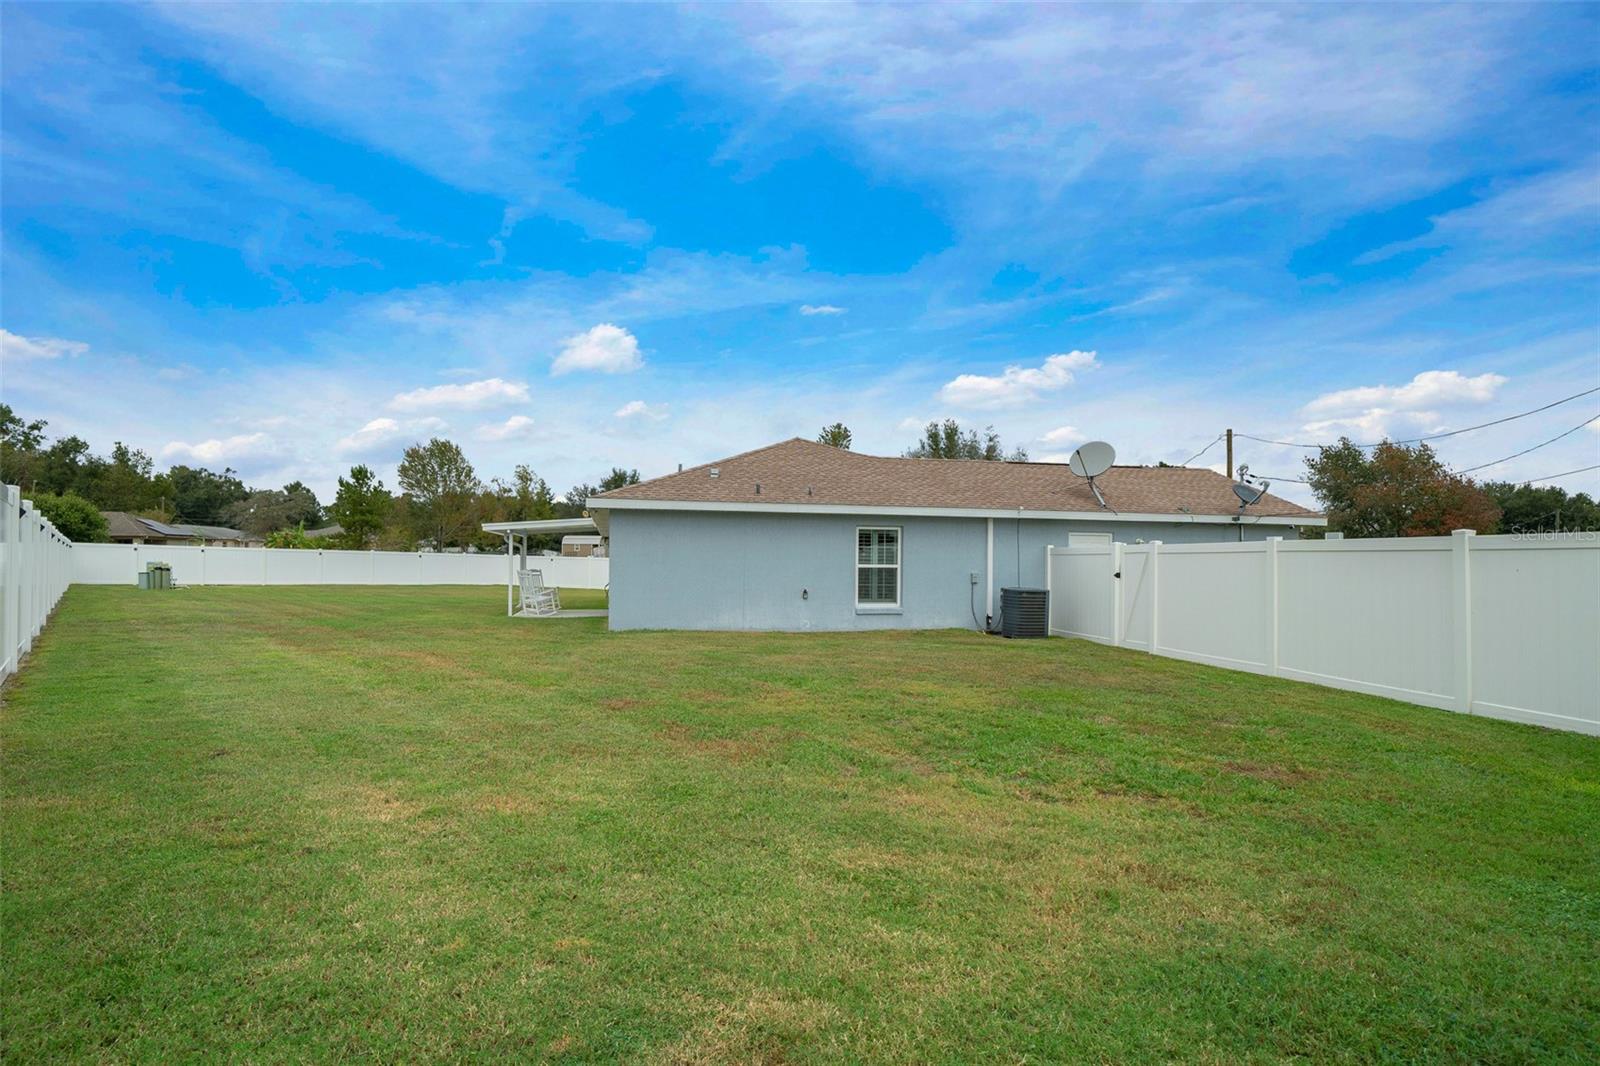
<point>1247,492</point>
<point>1092,459</point>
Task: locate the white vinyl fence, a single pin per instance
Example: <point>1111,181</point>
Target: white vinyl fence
<point>1505,626</point>
<point>120,564</point>
<point>35,569</point>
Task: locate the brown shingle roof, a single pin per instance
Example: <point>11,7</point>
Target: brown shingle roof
<point>800,471</point>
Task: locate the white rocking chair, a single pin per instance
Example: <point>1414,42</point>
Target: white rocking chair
<point>538,599</point>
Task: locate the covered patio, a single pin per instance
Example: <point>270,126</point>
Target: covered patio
<point>527,593</point>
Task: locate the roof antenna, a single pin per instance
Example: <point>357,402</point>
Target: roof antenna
<point>1090,461</point>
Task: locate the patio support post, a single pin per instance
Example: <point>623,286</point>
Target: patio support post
<point>511,573</point>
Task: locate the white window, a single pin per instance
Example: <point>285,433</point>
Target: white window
<point>878,567</point>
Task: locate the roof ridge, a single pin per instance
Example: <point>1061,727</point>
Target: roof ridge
<point>708,465</point>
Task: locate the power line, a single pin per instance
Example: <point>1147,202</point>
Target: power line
<point>1496,462</point>
<point>1202,451</point>
<point>1535,448</point>
<point>1433,436</point>
<point>1564,473</point>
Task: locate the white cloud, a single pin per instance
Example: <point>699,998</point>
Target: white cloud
<point>638,409</point>
<point>221,450</point>
<point>473,396</point>
<point>514,428</point>
<point>1374,412</point>
<point>605,349</point>
<point>382,433</point>
<point>15,347</point>
<point>1063,435</point>
<point>1016,384</point>
<point>822,309</point>
<point>1431,388</point>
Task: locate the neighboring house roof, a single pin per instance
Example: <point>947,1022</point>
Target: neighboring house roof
<point>326,531</point>
<point>123,524</point>
<point>800,473</point>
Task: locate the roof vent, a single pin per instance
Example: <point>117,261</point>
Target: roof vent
<point>715,471</point>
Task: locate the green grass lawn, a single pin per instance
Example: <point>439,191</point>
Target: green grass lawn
<point>292,823</point>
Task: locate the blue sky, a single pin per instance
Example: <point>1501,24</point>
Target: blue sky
<point>288,238</point>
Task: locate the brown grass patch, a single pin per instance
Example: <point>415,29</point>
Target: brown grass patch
<point>370,803</point>
<point>753,745</point>
<point>1278,775</point>
<point>759,1029</point>
<point>509,803</point>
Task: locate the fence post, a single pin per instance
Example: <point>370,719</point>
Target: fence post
<point>1153,569</point>
<point>10,529</point>
<point>1116,595</point>
<point>1272,604</point>
<point>1461,582</point>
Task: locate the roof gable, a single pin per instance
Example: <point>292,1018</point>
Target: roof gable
<point>803,472</point>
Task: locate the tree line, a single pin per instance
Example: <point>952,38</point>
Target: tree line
<point>440,503</point>
<point>1392,490</point>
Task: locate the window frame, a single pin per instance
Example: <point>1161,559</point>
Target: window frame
<point>897,566</point>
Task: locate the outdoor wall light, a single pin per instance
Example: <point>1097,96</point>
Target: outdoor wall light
<point>805,594</point>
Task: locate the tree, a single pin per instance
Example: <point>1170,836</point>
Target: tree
<point>618,478</point>
<point>947,440</point>
<point>1397,491</point>
<point>442,490</point>
<point>837,435</point>
<point>577,496</point>
<point>527,498</point>
<point>77,518</point>
<point>1529,509</point>
<point>576,499</point>
<point>266,510</point>
<point>125,482</point>
<point>308,508</point>
<point>203,497</point>
<point>61,466</point>
<point>20,441</point>
<point>361,507</point>
<point>293,537</point>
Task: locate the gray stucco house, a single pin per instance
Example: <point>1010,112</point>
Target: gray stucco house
<point>800,535</point>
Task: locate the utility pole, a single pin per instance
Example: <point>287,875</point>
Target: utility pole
<point>1230,455</point>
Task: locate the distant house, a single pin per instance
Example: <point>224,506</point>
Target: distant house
<point>801,535</point>
<point>582,545</point>
<point>125,528</point>
<point>325,531</point>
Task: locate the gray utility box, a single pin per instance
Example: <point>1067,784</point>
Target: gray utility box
<point>1024,613</point>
